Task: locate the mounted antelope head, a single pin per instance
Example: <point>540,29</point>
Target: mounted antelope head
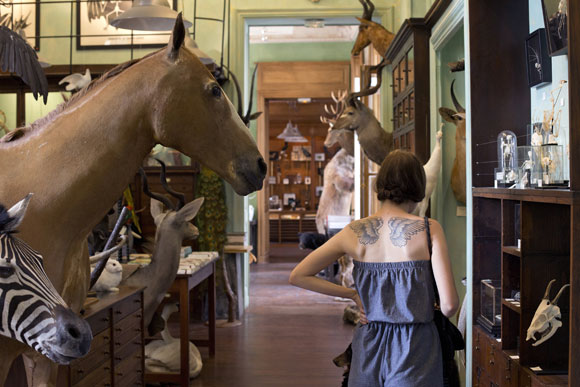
<point>547,318</point>
<point>457,118</point>
<point>371,32</point>
<point>374,140</point>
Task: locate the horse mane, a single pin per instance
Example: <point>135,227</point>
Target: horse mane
<point>41,122</point>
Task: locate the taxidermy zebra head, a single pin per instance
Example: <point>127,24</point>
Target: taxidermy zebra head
<point>31,310</point>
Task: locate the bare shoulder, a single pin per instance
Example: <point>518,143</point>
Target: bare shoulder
<point>402,229</point>
<point>367,229</point>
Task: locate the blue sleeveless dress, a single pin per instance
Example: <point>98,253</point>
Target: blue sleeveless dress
<point>400,344</point>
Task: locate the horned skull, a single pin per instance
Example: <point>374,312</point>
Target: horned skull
<point>547,317</point>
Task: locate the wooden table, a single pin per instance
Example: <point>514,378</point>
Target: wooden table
<point>182,286</point>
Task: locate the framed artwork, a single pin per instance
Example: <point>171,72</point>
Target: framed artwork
<point>95,32</point>
<point>556,23</point>
<point>539,63</point>
<point>22,16</point>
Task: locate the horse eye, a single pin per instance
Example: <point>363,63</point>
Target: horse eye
<point>6,271</point>
<point>216,91</point>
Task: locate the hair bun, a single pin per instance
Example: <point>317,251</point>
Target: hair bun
<point>395,195</point>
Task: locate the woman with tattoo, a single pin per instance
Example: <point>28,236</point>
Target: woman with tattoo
<point>396,342</point>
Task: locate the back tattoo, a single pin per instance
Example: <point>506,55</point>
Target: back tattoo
<point>403,229</point>
<point>367,230</point>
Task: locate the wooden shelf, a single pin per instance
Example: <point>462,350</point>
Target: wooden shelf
<point>512,250</point>
<point>511,305</point>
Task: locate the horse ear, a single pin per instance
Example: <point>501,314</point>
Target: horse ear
<point>447,114</point>
<point>16,212</point>
<point>177,37</point>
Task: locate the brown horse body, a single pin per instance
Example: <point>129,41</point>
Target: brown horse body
<point>81,157</point>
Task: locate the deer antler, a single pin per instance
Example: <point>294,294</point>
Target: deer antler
<point>180,197</point>
<point>335,110</point>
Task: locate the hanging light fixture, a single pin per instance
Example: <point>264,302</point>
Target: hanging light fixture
<point>192,46</point>
<point>291,134</point>
<point>148,15</point>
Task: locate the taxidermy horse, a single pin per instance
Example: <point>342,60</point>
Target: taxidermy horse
<point>83,155</point>
<point>457,118</point>
<point>173,227</point>
<point>31,310</point>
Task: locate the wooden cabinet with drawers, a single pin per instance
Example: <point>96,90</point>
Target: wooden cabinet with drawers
<point>116,357</point>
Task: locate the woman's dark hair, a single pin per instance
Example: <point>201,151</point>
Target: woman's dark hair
<point>401,178</point>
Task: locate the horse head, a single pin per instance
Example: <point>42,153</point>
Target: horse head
<point>192,114</point>
<point>31,310</point>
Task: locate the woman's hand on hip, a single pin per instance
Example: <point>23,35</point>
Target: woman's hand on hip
<point>363,317</point>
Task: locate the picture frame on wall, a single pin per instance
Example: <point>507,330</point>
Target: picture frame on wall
<point>556,24</point>
<point>95,32</point>
<point>22,16</point>
<point>539,63</point>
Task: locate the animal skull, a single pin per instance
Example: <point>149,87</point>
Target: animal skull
<point>547,317</point>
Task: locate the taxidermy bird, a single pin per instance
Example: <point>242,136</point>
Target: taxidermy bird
<point>164,355</point>
<point>110,277</point>
<point>17,56</point>
<point>76,81</point>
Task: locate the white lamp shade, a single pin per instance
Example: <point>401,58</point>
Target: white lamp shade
<point>291,134</point>
<point>148,15</point>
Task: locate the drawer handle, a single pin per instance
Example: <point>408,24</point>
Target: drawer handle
<point>106,353</point>
<point>107,368</point>
<point>118,312</point>
<point>119,374</point>
<point>105,319</point>
<point>477,347</point>
<point>138,300</point>
<point>118,358</point>
<point>81,371</point>
<point>491,362</point>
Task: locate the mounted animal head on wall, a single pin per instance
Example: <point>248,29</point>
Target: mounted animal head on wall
<point>31,309</point>
<point>547,318</point>
<point>458,173</point>
<point>371,32</point>
<point>345,138</point>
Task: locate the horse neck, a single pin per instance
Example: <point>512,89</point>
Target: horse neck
<point>82,160</point>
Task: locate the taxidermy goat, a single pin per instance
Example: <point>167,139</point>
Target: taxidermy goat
<point>547,318</point>
<point>458,174</point>
<point>165,355</point>
<point>173,227</point>
<point>110,278</point>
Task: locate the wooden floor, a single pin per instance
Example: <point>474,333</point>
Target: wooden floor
<point>289,337</point>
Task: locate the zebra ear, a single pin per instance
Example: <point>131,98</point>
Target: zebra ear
<point>17,213</point>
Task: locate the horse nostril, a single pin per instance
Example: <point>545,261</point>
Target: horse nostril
<point>262,165</point>
<point>73,332</point>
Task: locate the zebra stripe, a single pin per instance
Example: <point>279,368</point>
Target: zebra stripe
<point>27,297</point>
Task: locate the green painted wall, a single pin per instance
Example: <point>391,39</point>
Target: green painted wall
<point>453,224</point>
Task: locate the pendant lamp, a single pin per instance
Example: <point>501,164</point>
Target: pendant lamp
<point>291,134</point>
<point>148,15</point>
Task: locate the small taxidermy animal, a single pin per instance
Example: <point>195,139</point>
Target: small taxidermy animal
<point>110,278</point>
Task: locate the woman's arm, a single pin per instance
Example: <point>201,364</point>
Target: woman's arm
<point>448,298</point>
<point>304,274</point>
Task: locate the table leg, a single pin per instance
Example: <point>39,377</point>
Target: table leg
<point>184,330</point>
<point>211,311</point>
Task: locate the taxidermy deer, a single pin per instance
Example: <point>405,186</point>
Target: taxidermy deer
<point>167,97</point>
<point>173,227</point>
<point>547,318</point>
<point>371,32</point>
<point>458,177</point>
